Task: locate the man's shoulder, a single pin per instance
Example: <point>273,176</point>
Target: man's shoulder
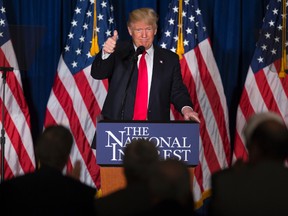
<point>125,201</point>
<point>233,172</point>
<point>248,171</point>
<point>18,180</point>
<point>130,193</point>
<point>165,52</point>
<point>111,196</point>
<point>77,182</point>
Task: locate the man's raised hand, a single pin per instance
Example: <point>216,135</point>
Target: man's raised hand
<point>110,44</point>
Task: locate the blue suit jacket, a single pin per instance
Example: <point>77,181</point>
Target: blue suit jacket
<point>250,189</point>
<point>167,86</point>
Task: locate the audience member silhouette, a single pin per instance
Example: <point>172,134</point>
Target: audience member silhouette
<point>260,186</point>
<point>47,191</point>
<point>139,158</point>
<point>171,189</point>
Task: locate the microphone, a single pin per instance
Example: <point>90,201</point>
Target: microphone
<point>138,51</point>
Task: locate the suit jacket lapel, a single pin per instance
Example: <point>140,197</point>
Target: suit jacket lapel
<point>156,74</point>
<point>131,91</point>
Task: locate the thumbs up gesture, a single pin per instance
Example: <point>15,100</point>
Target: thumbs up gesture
<point>110,43</point>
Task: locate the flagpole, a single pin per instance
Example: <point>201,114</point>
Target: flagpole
<point>180,44</point>
<point>2,139</point>
<point>282,72</point>
<point>94,46</point>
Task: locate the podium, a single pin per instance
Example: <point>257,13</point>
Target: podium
<point>178,139</point>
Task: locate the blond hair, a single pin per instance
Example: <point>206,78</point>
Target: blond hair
<point>147,15</point>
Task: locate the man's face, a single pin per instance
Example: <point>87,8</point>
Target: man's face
<point>142,34</point>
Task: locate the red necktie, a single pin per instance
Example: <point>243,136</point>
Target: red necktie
<point>141,100</point>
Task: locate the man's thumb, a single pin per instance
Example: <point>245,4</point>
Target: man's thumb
<point>115,35</point>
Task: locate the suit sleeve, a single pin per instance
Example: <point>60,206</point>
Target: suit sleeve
<point>179,95</point>
<point>102,69</point>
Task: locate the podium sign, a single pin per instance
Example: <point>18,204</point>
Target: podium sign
<point>178,139</point>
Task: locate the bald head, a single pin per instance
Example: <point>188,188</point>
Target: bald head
<point>54,146</point>
<point>266,137</point>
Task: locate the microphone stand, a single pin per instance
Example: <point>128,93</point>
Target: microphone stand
<point>134,62</point>
<point>2,139</point>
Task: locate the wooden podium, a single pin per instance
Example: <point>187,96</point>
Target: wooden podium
<point>112,179</point>
<point>173,139</point>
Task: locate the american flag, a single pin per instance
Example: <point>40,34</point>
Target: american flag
<point>201,76</point>
<point>264,89</point>
<point>76,98</point>
<point>18,145</point>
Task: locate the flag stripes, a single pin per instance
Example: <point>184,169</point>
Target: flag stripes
<point>214,132</point>
<point>66,93</point>
<point>76,98</point>
<point>18,146</point>
<point>202,78</point>
<point>263,91</point>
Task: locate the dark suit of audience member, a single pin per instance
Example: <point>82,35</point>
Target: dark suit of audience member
<point>139,157</point>
<point>47,191</point>
<point>171,189</point>
<point>260,186</point>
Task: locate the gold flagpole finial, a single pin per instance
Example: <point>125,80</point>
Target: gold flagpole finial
<point>94,46</point>
<point>180,43</point>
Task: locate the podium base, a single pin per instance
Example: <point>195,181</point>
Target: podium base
<point>112,179</point>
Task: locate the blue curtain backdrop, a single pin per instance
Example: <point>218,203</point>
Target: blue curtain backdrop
<point>39,29</point>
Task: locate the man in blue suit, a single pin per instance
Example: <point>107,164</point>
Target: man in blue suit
<point>258,186</point>
<point>47,190</point>
<point>118,61</point>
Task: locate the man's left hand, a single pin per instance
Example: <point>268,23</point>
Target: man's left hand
<point>190,115</point>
